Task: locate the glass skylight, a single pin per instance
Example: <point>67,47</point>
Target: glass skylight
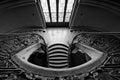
<point>53,10</point>
<point>62,14</point>
<point>61,10</point>
<point>67,17</point>
<point>53,16</point>
<point>69,9</point>
<point>45,10</point>
<point>61,5</point>
<point>69,5</point>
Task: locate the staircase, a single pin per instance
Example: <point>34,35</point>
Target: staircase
<point>58,56</point>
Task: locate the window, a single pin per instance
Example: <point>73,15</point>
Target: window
<point>57,10</point>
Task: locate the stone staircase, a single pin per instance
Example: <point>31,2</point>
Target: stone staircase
<point>58,56</point>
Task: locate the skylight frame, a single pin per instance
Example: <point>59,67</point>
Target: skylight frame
<point>57,10</point>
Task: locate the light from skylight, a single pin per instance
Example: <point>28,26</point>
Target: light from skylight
<point>61,15</point>
<point>69,9</point>
<point>53,5</point>
<point>67,17</point>
<point>69,5</point>
<point>61,10</point>
<point>53,10</point>
<point>47,17</point>
<point>44,5</point>
<point>53,16</point>
<point>61,5</point>
<point>45,10</point>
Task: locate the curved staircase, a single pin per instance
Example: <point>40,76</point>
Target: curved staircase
<point>58,56</point>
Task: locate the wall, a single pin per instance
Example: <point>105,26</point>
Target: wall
<point>91,15</point>
<point>25,15</point>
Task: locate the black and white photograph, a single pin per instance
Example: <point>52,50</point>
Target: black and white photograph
<point>59,40</point>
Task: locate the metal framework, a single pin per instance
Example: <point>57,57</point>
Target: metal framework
<point>48,2</point>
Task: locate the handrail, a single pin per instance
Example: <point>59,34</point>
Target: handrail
<point>98,57</point>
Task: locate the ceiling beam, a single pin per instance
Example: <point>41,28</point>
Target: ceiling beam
<point>48,2</point>
<point>57,9</point>
<point>66,1</point>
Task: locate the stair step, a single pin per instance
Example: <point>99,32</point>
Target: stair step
<point>58,61</point>
<point>60,65</point>
<point>56,58</point>
<point>58,55</point>
<point>58,51</point>
<point>58,48</point>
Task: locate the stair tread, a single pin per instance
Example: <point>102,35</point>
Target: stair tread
<point>58,58</point>
<point>60,65</point>
<point>58,50</point>
<point>58,61</point>
<point>60,55</point>
<point>58,46</point>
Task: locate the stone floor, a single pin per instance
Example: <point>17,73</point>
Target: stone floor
<point>58,35</point>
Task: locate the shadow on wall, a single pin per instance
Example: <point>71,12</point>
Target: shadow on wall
<point>39,57</point>
<point>19,15</point>
<point>90,15</point>
<point>77,57</point>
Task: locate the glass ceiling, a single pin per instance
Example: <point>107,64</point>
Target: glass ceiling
<point>57,10</point>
